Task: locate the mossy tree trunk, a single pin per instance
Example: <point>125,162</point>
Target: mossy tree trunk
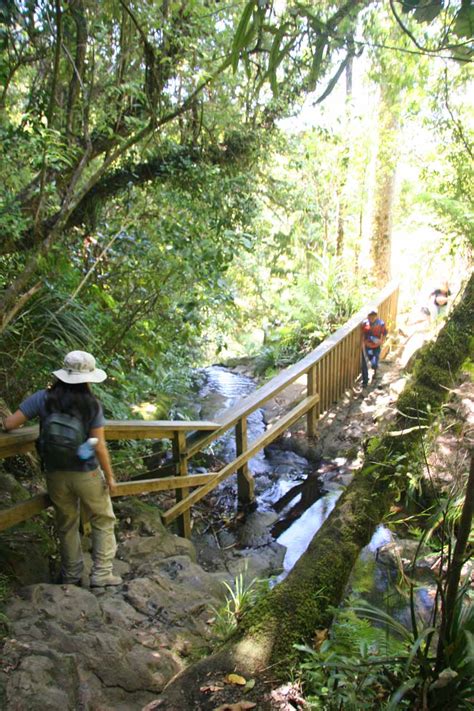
<point>296,608</point>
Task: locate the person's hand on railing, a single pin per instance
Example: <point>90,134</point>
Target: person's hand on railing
<point>111,485</point>
<point>4,413</point>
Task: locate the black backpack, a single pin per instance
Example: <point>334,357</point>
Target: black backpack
<point>60,436</point>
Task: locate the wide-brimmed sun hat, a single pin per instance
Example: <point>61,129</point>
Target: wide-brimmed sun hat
<point>79,367</point>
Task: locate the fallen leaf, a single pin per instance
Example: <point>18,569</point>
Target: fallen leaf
<point>249,685</point>
<point>320,636</point>
<point>210,689</point>
<point>236,679</point>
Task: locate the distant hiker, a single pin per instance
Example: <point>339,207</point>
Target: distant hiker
<point>373,333</point>
<point>71,419</point>
<point>440,298</point>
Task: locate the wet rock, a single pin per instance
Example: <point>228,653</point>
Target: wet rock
<point>43,681</point>
<point>136,549</point>
<point>255,531</point>
<point>182,604</point>
<point>66,604</point>
<point>299,445</point>
<point>261,564</point>
<point>226,538</point>
<point>401,552</point>
<point>285,457</point>
<point>116,611</point>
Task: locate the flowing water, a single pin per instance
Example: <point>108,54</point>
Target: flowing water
<point>302,494</point>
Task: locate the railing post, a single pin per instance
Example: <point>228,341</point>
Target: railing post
<point>180,456</point>
<point>313,413</point>
<point>245,481</point>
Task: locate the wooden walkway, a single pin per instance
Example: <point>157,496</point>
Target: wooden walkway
<point>330,369</point>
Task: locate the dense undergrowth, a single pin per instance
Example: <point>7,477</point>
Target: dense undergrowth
<point>370,658</point>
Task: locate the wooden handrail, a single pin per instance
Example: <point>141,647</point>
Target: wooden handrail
<point>288,376</point>
<point>268,436</point>
<point>330,369</point>
<point>25,509</point>
<point>23,439</point>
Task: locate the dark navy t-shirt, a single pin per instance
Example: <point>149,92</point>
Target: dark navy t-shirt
<point>35,406</point>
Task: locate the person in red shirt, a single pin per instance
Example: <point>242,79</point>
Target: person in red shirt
<point>373,334</point>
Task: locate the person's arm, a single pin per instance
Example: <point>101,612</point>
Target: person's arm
<point>11,422</point>
<point>29,408</point>
<point>103,456</point>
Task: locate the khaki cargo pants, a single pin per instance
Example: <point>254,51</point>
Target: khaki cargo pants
<point>67,491</point>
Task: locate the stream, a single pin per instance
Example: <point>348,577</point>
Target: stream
<point>300,493</point>
<point>295,496</point>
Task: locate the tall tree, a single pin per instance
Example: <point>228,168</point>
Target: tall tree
<point>384,194</point>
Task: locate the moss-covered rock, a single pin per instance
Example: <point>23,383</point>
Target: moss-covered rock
<point>27,550</point>
<point>139,515</point>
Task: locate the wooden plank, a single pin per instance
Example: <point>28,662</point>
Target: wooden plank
<point>261,442</point>
<point>331,378</point>
<point>318,388</point>
<point>322,389</point>
<point>146,486</point>
<point>26,509</point>
<point>347,362</point>
<point>23,439</point>
<point>312,415</point>
<point>154,429</point>
<point>180,457</point>
<point>18,441</point>
<point>245,480</point>
<point>13,450</point>
<point>338,371</point>
<point>23,511</point>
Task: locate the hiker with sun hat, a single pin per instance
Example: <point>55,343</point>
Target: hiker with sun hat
<point>77,466</point>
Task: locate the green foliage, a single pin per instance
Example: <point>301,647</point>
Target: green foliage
<point>373,662</point>
<point>352,669</point>
<point>239,599</point>
<point>312,309</point>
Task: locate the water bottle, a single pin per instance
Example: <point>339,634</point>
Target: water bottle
<point>86,450</point>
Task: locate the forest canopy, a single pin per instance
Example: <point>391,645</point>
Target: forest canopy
<point>153,203</point>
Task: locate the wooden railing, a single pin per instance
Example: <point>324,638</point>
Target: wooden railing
<point>330,369</point>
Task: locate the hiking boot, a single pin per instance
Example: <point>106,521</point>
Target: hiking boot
<point>106,582</point>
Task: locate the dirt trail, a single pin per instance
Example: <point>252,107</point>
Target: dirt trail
<point>360,414</point>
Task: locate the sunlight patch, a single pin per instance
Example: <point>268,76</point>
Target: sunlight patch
<point>147,410</point>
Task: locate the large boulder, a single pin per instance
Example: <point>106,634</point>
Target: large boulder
<point>115,649</point>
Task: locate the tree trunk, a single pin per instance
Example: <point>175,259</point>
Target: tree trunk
<point>454,574</point>
<point>385,176</point>
<point>303,603</point>
<point>344,167</point>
